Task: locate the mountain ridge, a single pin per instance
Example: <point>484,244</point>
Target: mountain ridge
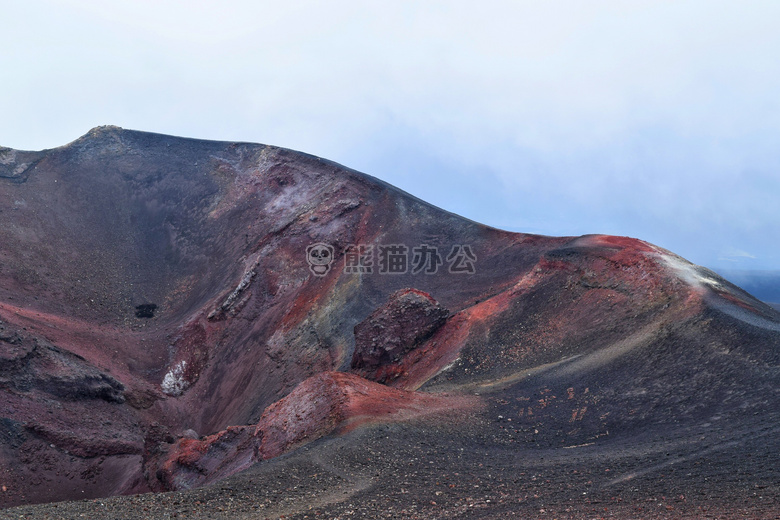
<point>180,269</point>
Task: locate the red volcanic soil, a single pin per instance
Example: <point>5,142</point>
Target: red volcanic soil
<point>165,325</point>
<point>329,402</point>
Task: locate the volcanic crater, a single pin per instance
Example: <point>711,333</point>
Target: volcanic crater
<point>163,330</point>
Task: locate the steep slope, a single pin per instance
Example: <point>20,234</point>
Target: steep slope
<point>166,303</point>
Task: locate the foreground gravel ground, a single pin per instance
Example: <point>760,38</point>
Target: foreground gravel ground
<point>481,471</point>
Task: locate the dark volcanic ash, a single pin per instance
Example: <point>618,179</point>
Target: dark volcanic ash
<point>176,311</point>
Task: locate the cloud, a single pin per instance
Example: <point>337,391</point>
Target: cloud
<point>732,254</point>
<point>650,119</point>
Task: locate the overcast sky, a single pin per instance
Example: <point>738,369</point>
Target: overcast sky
<point>657,120</point>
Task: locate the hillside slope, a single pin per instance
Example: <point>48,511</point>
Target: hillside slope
<point>176,311</point>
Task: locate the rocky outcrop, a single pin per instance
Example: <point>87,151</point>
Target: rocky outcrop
<point>15,165</point>
<point>29,363</point>
<point>403,323</point>
<point>323,404</point>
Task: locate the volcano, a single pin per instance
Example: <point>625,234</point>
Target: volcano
<point>249,332</point>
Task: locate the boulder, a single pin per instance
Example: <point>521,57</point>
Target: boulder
<point>399,326</point>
